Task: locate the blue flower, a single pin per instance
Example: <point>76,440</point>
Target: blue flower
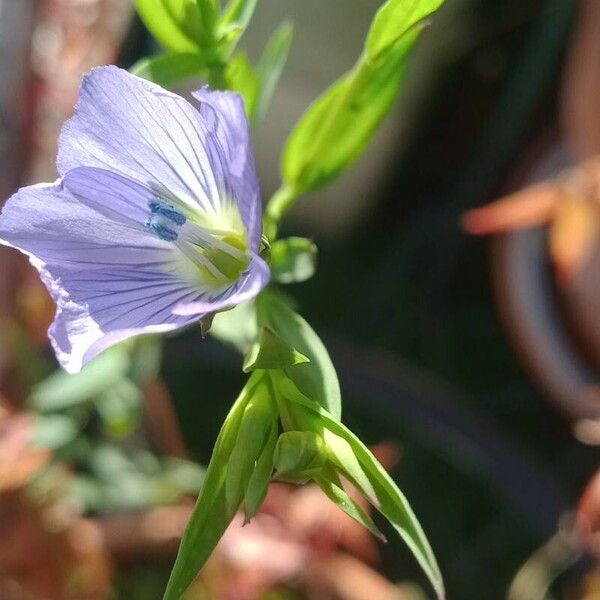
<point>155,220</point>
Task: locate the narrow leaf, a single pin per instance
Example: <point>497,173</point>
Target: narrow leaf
<point>241,78</point>
<point>317,378</point>
<point>270,66</point>
<point>170,70</point>
<point>346,461</point>
<point>336,129</point>
<point>393,20</point>
<point>234,20</point>
<point>62,390</point>
<point>389,500</point>
<point>271,352</point>
<point>335,492</point>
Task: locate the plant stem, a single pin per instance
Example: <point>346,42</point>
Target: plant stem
<point>279,204</point>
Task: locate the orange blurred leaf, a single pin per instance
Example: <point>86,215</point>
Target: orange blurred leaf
<point>573,235</point>
<point>526,208</point>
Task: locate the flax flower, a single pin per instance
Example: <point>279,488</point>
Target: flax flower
<point>155,221</point>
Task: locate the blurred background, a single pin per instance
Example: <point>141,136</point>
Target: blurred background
<point>470,363</point>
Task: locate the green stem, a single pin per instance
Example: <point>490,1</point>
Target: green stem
<point>279,204</point>
<point>216,76</point>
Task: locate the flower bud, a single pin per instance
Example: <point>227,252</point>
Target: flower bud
<point>299,455</point>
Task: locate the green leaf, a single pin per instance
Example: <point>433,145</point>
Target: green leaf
<point>119,408</point>
<point>336,129</point>
<point>258,484</point>
<point>270,66</point>
<point>393,20</point>
<point>146,358</point>
<point>211,514</point>
<point>333,489</point>
<point>271,352</point>
<point>383,492</point>
<point>345,460</point>
<point>53,431</point>
<point>62,390</point>
<point>338,126</point>
<point>293,260</point>
<point>240,77</point>
<point>234,20</point>
<point>184,475</point>
<point>179,25</point>
<point>317,378</point>
<point>237,327</point>
<point>169,70</point>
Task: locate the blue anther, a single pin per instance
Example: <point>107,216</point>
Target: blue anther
<point>160,207</point>
<point>157,225</point>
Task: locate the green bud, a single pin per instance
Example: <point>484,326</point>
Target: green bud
<point>258,484</point>
<point>299,455</point>
<point>258,419</point>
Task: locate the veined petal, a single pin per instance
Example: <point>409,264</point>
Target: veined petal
<point>156,221</point>
<point>137,129</point>
<point>50,225</point>
<point>233,132</point>
<point>97,311</point>
<point>210,257</point>
<point>110,278</point>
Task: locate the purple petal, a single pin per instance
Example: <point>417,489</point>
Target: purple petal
<point>112,195</point>
<point>227,113</point>
<point>135,128</point>
<point>108,278</point>
<point>108,307</point>
<point>51,225</point>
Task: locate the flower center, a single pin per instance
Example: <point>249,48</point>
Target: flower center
<point>215,244</point>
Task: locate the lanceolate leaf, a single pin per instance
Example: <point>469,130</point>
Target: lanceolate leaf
<point>338,126</point>
<point>234,20</point>
<point>317,378</point>
<point>62,390</point>
<point>335,130</point>
<point>241,78</point>
<point>333,489</point>
<point>393,20</point>
<point>271,65</point>
<point>387,498</point>
<point>211,515</point>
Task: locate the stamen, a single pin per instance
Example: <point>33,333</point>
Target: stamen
<point>157,224</point>
<point>220,254</point>
<point>160,207</point>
